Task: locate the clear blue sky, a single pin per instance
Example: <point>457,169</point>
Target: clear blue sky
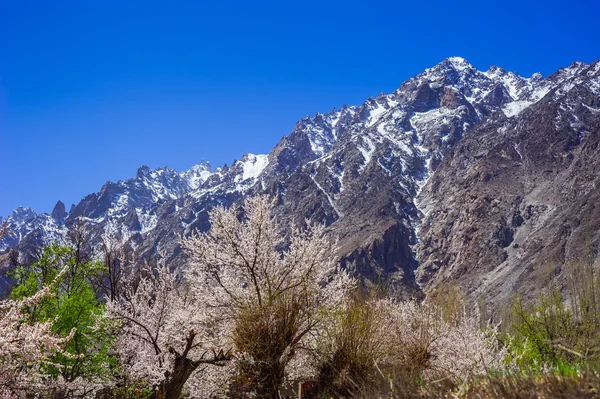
<point>90,90</point>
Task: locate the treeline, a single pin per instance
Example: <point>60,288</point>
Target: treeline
<point>260,309</point>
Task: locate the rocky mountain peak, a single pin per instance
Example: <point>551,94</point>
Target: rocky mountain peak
<point>197,174</point>
<point>493,69</point>
<point>59,212</point>
<point>451,70</point>
<point>536,76</point>
<point>568,72</point>
<point>23,215</point>
<point>203,166</point>
<point>459,63</point>
<point>142,171</point>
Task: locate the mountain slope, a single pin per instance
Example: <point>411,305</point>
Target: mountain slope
<point>516,201</point>
<point>391,178</point>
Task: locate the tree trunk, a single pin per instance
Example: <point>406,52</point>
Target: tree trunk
<point>271,375</point>
<point>173,385</point>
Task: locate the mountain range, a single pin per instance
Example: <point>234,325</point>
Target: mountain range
<point>483,179</point>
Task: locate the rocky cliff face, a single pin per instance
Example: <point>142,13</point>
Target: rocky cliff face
<point>516,200</point>
<point>458,174</point>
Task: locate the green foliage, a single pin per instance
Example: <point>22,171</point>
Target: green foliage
<point>551,334</point>
<point>539,330</point>
<point>73,306</point>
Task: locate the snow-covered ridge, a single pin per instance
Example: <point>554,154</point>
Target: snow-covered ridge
<point>130,206</point>
<point>477,85</point>
<point>323,130</point>
<point>397,132</point>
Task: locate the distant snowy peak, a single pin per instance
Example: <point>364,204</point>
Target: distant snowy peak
<point>197,174</point>
<point>134,205</point>
<point>25,221</point>
<point>21,215</point>
<point>495,87</point>
<point>452,71</point>
<point>234,180</point>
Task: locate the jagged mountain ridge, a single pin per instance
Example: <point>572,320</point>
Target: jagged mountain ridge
<point>516,200</point>
<point>131,202</point>
<point>358,169</point>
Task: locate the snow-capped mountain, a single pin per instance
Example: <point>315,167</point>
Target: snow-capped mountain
<point>369,172</point>
<point>514,204</point>
<point>26,226</point>
<point>131,206</point>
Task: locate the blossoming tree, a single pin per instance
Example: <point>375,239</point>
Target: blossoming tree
<point>26,347</point>
<point>378,337</point>
<point>167,338</point>
<point>274,289</point>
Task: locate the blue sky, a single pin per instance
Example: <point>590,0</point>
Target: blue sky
<point>90,90</point>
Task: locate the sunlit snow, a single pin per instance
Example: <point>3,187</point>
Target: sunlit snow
<point>254,165</point>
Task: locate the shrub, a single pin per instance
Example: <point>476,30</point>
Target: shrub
<point>352,346</point>
<point>558,331</point>
<point>379,345</point>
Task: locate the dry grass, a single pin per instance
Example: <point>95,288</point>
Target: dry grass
<point>551,386</point>
<point>586,385</point>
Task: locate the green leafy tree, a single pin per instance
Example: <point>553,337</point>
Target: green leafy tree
<point>73,305</point>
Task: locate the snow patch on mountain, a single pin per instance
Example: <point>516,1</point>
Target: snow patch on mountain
<point>366,148</point>
<point>515,108</point>
<point>148,220</point>
<point>331,201</point>
<point>253,166</point>
<point>197,174</point>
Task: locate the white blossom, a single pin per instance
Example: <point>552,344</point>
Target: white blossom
<point>166,332</point>
<point>456,348</point>
<point>248,265</point>
<point>25,347</point>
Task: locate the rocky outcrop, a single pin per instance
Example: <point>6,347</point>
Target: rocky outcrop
<point>59,212</point>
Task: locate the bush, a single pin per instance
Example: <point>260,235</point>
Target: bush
<point>352,347</point>
<point>555,333</point>
<point>378,346</point>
